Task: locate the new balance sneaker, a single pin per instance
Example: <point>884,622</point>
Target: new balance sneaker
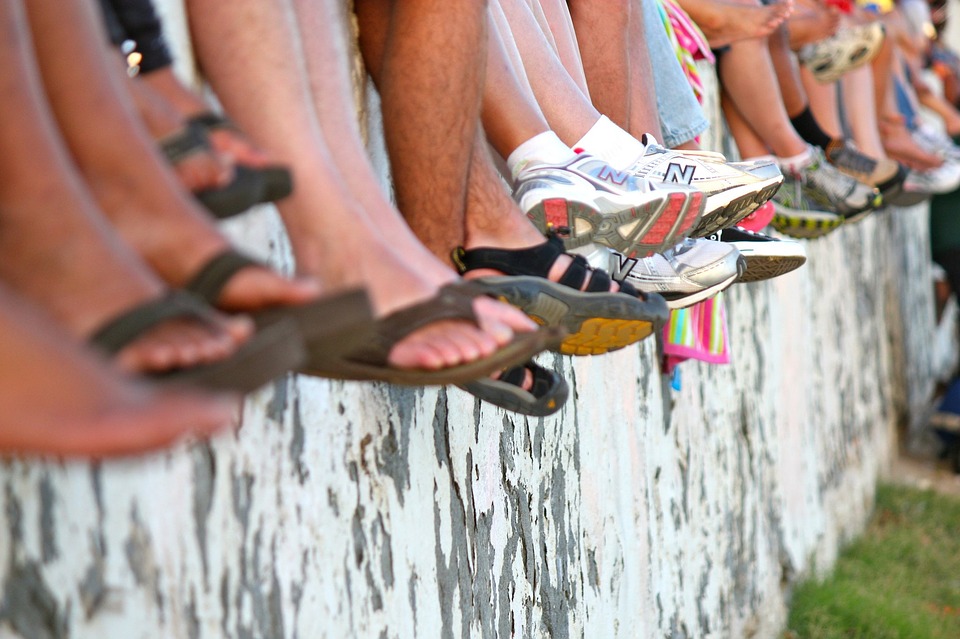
<point>934,141</point>
<point>688,273</point>
<point>586,200</point>
<point>847,49</point>
<point>767,257</point>
<point>827,187</point>
<point>886,175</point>
<point>733,190</point>
<point>795,215</point>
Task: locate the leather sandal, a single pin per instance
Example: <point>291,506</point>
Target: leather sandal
<point>246,190</point>
<point>269,353</point>
<point>330,326</point>
<point>277,180</point>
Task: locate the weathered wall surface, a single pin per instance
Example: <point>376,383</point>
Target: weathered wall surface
<point>365,510</point>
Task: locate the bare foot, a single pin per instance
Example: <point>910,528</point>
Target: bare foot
<point>726,22</point>
<point>198,168</point>
<point>59,401</point>
<point>810,25</point>
<point>898,144</point>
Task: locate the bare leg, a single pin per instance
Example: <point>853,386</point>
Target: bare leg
<point>132,183</point>
<point>858,98</point>
<point>60,253</point>
<point>60,401</point>
<point>335,235</point>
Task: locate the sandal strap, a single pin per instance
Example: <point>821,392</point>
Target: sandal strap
<point>537,261</point>
<point>127,327</point>
<point>452,302</point>
<point>184,143</point>
<point>210,121</point>
<point>211,279</point>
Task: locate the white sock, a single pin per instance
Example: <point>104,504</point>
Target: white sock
<point>796,162</point>
<point>611,144</point>
<point>545,148</point>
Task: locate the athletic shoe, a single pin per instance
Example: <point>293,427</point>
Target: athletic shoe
<point>733,190</point>
<point>690,272</point>
<point>943,179</point>
<point>886,175</point>
<point>830,189</point>
<point>933,141</point>
<point>767,257</point>
<point>795,215</point>
<point>847,49</point>
<point>586,200</point>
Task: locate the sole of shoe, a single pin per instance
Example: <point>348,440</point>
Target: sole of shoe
<point>729,207</point>
<point>766,267</point>
<point>806,227</point>
<point>633,231</point>
<point>683,300</point>
<point>599,336</point>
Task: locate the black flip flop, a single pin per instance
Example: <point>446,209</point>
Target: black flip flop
<point>546,397</point>
<point>247,188</point>
<point>269,353</point>
<point>277,180</point>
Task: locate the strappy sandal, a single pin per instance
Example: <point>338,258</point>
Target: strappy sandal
<point>246,190</point>
<point>355,347</point>
<point>597,320</point>
<point>330,326</point>
<point>452,302</point>
<point>547,395</point>
<point>277,180</point>
<point>270,353</point>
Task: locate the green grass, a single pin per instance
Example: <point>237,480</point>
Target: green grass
<point>900,580</point>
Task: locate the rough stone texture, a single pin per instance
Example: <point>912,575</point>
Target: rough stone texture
<point>349,510</point>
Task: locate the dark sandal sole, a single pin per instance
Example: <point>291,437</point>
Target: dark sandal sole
<point>517,400</point>
<point>596,323</point>
<point>244,192</point>
<point>270,353</point>
<point>523,347</point>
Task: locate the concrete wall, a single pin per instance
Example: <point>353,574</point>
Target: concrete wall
<point>365,510</point>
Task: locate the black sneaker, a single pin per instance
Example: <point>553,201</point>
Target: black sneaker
<point>767,257</point>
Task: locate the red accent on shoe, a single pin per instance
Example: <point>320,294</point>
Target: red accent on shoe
<point>759,219</point>
<point>661,228</point>
<point>579,150</point>
<point>555,210</point>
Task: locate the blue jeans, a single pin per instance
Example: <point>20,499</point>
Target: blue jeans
<point>681,118</point>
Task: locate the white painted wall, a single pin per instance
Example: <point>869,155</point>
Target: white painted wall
<point>364,510</point>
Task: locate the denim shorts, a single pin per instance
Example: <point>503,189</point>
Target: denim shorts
<point>681,118</point>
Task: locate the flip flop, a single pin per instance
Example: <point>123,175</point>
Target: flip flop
<point>246,190</point>
<point>546,397</point>
<point>595,322</point>
<point>277,180</point>
<point>269,353</point>
<point>330,326</point>
<point>452,302</point>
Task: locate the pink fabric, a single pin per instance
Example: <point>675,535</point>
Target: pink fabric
<point>759,219</point>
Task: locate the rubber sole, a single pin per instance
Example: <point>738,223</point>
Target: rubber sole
<point>805,228</point>
<point>766,267</point>
<point>596,323</point>
<point>631,231</point>
<point>734,206</point>
<point>517,400</point>
<point>675,302</point>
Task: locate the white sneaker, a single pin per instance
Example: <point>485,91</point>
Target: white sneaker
<point>734,190</point>
<point>586,200</point>
<point>943,179</point>
<point>767,257</point>
<point>690,272</point>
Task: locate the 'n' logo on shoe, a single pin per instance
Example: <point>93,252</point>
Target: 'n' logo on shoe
<point>677,173</point>
<point>620,266</point>
<point>609,174</point>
